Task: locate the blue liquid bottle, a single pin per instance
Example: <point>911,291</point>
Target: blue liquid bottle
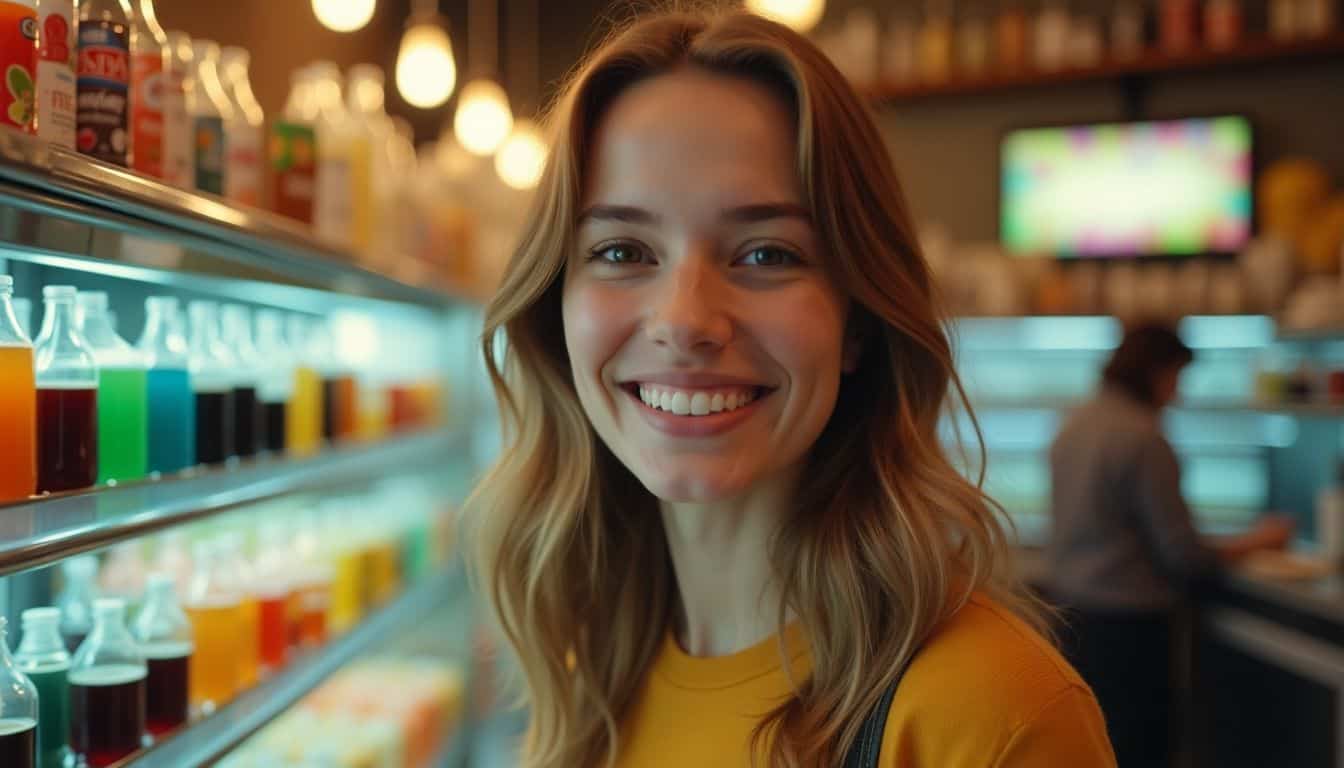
<point>172,406</point>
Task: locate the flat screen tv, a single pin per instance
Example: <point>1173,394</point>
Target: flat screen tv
<point>1164,188</point>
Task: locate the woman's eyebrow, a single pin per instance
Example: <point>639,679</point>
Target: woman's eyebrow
<point>626,213</point>
<point>753,212</point>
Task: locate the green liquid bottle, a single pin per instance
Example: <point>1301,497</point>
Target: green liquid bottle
<point>42,657</point>
<point>123,399</point>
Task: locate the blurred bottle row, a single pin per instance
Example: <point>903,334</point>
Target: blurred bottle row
<point>81,405</point>
<point>216,609</point>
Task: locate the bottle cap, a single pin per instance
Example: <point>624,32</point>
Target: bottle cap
<point>37,617</point>
<point>58,292</point>
<point>92,301</point>
<point>162,301</point>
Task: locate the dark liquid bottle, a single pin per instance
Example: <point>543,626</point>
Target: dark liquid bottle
<point>275,384</point>
<point>165,637</point>
<point>43,658</point>
<point>214,427</point>
<point>107,690</point>
<point>18,742</point>
<point>274,418</point>
<point>246,421</point>
<point>212,379</point>
<point>236,335</point>
<point>67,398</point>
<point>18,711</point>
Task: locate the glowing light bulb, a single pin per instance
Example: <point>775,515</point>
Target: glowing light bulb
<point>483,118</point>
<point>522,157</point>
<point>426,72</point>
<point>800,15</point>
<point>343,15</point>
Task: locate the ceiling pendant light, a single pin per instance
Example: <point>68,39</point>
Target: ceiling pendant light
<point>483,119</point>
<point>343,15</point>
<point>521,159</point>
<point>426,73</point>
<point>799,15</point>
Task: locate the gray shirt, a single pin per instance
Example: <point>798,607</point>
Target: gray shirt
<point>1122,536</point>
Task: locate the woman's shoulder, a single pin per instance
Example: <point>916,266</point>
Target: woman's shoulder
<point>987,689</point>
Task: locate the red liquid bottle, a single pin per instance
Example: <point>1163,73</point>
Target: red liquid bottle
<point>67,398</point>
<point>165,638</point>
<point>18,712</point>
<point>107,690</point>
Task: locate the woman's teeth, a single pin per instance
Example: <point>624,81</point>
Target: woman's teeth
<point>695,402</point>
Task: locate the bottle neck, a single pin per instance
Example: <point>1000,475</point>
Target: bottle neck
<point>58,319</point>
<point>42,639</point>
<point>11,332</point>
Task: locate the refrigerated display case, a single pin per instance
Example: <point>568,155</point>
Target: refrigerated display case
<point>370,514</point>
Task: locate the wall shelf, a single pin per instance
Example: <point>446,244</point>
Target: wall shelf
<point>1147,64</point>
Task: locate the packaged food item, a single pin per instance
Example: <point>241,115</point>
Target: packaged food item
<point>56,73</point>
<point>210,111</point>
<point>293,152</point>
<point>103,81</point>
<point>244,153</point>
<point>18,64</point>
<point>149,62</point>
<point>179,131</point>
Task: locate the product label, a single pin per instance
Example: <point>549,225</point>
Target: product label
<point>294,166</point>
<point>209,154</point>
<point>56,74</point>
<point>332,206</point>
<point>103,81</point>
<point>18,64</point>
<point>242,176</point>
<point>178,132</point>
<point>148,89</point>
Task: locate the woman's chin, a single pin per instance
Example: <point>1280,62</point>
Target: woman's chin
<point>693,487</point>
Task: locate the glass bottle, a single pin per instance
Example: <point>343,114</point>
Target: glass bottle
<point>76,599</point>
<point>165,638</point>
<point>247,633</point>
<point>18,403</point>
<point>149,60</point>
<point>236,335</point>
<point>107,689</point>
<point>294,151</point>
<point>275,593</point>
<point>275,388</point>
<point>333,204</point>
<point>67,397</point>
<point>215,608</point>
<point>368,124</point>
<point>304,428</point>
<point>212,382</point>
<point>210,110</point>
<point>123,574</point>
<point>172,557</point>
<point>312,586</point>
<point>23,310</point>
<point>339,395</point>
<point>18,710</point>
<point>103,80</point>
<point>179,130</point>
<point>123,420</point>
<point>43,657</point>
<point>172,406</point>
<point>243,133</point>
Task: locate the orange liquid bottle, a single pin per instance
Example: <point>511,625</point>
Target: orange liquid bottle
<point>215,609</point>
<point>18,403</point>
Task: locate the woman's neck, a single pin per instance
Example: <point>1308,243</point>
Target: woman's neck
<point>720,554</point>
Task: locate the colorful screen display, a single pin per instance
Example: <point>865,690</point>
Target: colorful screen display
<point>1170,188</point>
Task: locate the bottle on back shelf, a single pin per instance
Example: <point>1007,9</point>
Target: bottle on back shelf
<point>179,130</point>
<point>18,403</point>
<point>123,574</point>
<point>103,80</point>
<point>76,599</point>
<point>275,388</point>
<point>293,150</point>
<point>244,132</point>
<point>165,638</point>
<point>67,397</point>
<point>123,404</point>
<point>56,73</point>
<point>304,428</point>
<point>171,556</point>
<point>333,205</point>
<point>18,711</point>
<point>18,61</point>
<point>210,111</point>
<point>215,609</point>
<point>275,594</point>
<point>149,61</point>
<point>312,585</point>
<point>172,407</point>
<point>236,334</point>
<point>107,689</point>
<point>43,657</point>
<point>368,128</point>
<point>247,645</point>
<point>212,382</point>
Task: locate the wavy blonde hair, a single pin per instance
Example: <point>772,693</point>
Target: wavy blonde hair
<point>887,538</point>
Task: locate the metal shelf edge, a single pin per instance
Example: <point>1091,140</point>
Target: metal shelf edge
<point>211,738</point>
<point>45,530</point>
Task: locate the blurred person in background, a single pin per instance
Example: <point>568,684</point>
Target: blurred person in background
<point>723,530</point>
<point>1123,551</point>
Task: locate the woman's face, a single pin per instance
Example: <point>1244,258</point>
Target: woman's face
<point>705,337</point>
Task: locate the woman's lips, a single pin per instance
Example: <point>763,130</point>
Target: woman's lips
<point>695,412</point>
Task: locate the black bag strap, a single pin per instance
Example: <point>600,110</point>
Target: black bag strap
<point>863,753</point>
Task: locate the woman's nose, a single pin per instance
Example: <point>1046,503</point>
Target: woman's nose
<point>688,311</point>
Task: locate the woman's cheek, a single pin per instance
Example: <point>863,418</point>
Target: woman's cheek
<point>597,320</point>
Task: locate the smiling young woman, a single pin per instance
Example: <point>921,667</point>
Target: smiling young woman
<point>723,530</point>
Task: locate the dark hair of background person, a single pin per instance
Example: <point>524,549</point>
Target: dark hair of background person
<point>1145,351</point>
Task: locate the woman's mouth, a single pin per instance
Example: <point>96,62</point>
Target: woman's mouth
<point>682,401</point>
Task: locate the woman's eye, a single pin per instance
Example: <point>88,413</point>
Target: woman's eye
<point>618,254</point>
<point>768,257</point>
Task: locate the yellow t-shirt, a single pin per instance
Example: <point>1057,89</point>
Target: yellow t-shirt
<point>984,691</point>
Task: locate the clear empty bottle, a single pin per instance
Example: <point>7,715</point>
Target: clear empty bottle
<point>75,602</point>
<point>164,633</point>
<point>18,403</point>
<point>212,382</point>
<point>43,657</point>
<point>236,335</point>
<point>107,689</point>
<point>245,153</point>
<point>18,711</point>
<point>215,608</point>
<point>67,397</point>
<point>123,399</point>
<point>275,387</point>
<point>210,110</point>
<point>172,405</point>
<point>305,409</point>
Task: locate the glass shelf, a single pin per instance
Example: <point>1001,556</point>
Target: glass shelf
<point>47,529</point>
